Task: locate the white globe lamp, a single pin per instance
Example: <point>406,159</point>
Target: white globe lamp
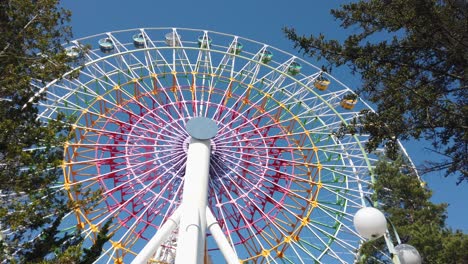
<point>370,223</point>
<point>408,254</point>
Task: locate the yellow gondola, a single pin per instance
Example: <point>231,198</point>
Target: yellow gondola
<point>321,83</point>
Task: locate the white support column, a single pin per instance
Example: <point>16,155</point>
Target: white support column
<point>192,229</point>
<point>191,214</point>
<point>229,254</point>
<point>156,241</point>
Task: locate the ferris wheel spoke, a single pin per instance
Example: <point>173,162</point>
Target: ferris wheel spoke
<point>136,81</point>
<point>122,53</point>
<point>158,58</point>
<point>249,227</point>
<point>242,193</point>
<point>274,224</point>
<point>227,63</point>
<point>91,179</point>
<point>326,245</point>
<point>291,162</point>
<point>165,111</point>
<point>251,68</point>
<point>276,77</point>
<point>222,221</point>
<point>286,123</point>
<point>349,196</point>
<point>239,103</point>
<point>172,66</point>
<point>100,160</point>
<point>80,96</point>
<point>82,129</point>
<point>220,107</point>
<point>292,246</point>
<point>143,128</point>
<point>138,134</point>
<point>139,217</point>
<point>138,179</point>
<point>338,221</point>
<point>181,58</point>
<point>122,206</point>
<point>304,250</point>
<point>288,175</point>
<point>256,188</point>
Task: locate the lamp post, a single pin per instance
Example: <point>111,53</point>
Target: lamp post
<point>371,224</point>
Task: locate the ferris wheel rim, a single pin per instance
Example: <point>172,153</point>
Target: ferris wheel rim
<point>186,103</point>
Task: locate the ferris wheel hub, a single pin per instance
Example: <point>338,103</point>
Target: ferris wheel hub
<point>202,128</point>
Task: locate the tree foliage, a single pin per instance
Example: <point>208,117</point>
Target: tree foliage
<point>411,56</point>
<point>31,152</point>
<point>71,252</point>
<point>94,252</point>
<point>47,242</point>
<point>418,221</point>
<point>31,33</point>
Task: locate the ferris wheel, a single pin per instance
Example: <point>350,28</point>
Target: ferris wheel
<point>182,130</point>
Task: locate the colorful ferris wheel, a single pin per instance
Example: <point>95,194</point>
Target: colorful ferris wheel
<point>228,139</point>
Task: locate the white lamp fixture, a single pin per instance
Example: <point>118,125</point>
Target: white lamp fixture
<point>370,223</point>
<point>408,254</point>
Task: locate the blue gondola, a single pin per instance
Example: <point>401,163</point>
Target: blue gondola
<point>139,41</point>
<point>106,45</point>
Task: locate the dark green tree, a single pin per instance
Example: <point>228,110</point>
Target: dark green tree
<point>31,54</point>
<point>48,241</point>
<point>419,222</point>
<point>413,60</point>
<point>31,152</point>
<point>72,252</point>
<point>94,252</point>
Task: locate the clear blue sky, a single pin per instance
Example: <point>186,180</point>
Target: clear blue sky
<point>258,20</point>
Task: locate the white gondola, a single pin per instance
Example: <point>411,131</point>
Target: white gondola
<point>172,39</point>
<point>73,52</point>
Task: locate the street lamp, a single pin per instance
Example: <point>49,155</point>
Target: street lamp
<point>407,254</point>
<point>371,223</point>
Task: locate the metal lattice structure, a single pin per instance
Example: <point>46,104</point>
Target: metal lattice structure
<point>283,186</point>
